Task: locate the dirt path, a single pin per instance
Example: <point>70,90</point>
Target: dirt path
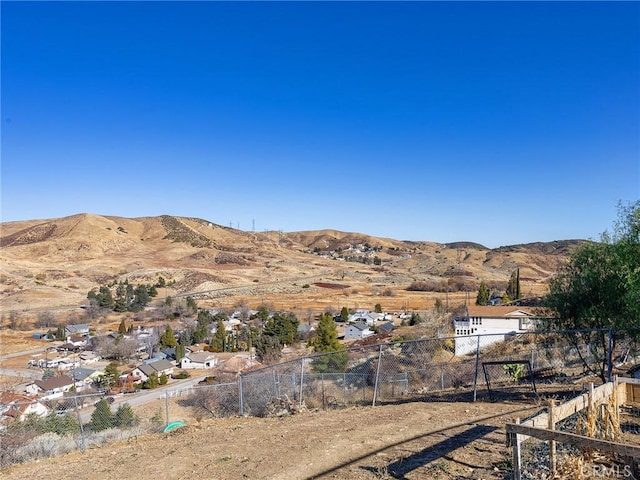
<point>410,441</point>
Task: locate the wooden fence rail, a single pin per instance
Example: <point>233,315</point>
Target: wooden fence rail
<point>626,391</point>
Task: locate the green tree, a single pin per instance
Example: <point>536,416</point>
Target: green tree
<point>161,282</point>
<point>219,340</point>
<point>101,418</point>
<point>124,417</point>
<point>281,325</point>
<point>344,315</point>
<point>513,288</point>
<point>377,261</point>
<point>377,308</point>
<point>192,305</point>
<point>152,382</point>
<point>335,357</point>
<point>163,380</point>
<point>268,349</point>
<point>168,339</point>
<point>180,352</point>
<point>111,374</point>
<point>600,289</point>
<point>120,298</point>
<point>60,333</point>
<point>483,294</point>
<point>122,328</point>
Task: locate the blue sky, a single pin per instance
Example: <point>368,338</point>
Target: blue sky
<point>498,122</point>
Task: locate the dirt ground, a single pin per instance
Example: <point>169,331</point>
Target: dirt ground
<point>414,440</point>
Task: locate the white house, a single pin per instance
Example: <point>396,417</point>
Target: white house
<point>158,367</point>
<point>493,323</point>
<point>51,388</point>
<point>357,331</point>
<point>14,405</point>
<point>199,360</point>
<point>80,329</point>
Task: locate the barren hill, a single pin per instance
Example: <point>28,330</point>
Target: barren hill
<point>54,263</point>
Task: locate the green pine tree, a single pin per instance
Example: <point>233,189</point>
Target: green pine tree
<point>124,417</point>
<point>483,294</point>
<point>168,339</point>
<point>101,418</point>
<point>327,342</point>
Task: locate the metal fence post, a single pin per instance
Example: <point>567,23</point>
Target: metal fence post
<point>82,438</point>
<point>240,393</point>
<point>166,405</point>
<point>475,378</point>
<point>610,356</point>
<point>301,380</point>
<point>375,387</point>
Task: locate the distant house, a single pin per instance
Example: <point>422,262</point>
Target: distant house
<point>18,407</point>
<point>357,331</point>
<point>84,377</point>
<point>145,370</point>
<point>198,360</point>
<point>88,357</point>
<point>386,327</point>
<point>51,388</point>
<point>494,323</point>
<point>80,329</point>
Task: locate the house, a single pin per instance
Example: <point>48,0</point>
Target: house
<point>199,360</point>
<point>386,327</point>
<point>84,377</point>
<point>66,364</point>
<point>493,323</point>
<point>88,357</point>
<point>365,316</point>
<point>16,406</point>
<point>145,370</point>
<point>80,329</point>
<point>51,388</point>
<point>169,353</point>
<point>357,331</point>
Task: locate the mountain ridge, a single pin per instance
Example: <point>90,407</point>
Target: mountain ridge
<point>57,261</point>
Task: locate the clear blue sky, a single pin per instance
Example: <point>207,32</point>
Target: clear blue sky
<point>498,123</point>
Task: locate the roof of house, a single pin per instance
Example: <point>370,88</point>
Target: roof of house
<point>7,398</point>
<point>82,373</point>
<point>360,326</point>
<point>81,327</point>
<point>160,365</point>
<point>147,369</point>
<point>200,357</point>
<point>387,326</point>
<point>499,311</point>
<point>52,383</point>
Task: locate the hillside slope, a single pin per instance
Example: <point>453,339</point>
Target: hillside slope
<point>55,262</point>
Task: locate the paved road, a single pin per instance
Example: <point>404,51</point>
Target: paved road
<point>28,352</point>
<point>144,396</point>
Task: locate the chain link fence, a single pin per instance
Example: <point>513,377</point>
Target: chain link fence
<point>524,367</point>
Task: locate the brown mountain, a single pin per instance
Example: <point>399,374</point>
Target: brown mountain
<point>54,263</point>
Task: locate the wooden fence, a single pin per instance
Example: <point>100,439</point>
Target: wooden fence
<point>542,426</point>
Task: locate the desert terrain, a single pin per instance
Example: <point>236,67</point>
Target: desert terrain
<point>52,264</point>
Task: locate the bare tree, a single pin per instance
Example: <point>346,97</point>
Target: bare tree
<point>46,319</point>
<point>126,348</point>
<point>149,341</point>
<point>15,322</point>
